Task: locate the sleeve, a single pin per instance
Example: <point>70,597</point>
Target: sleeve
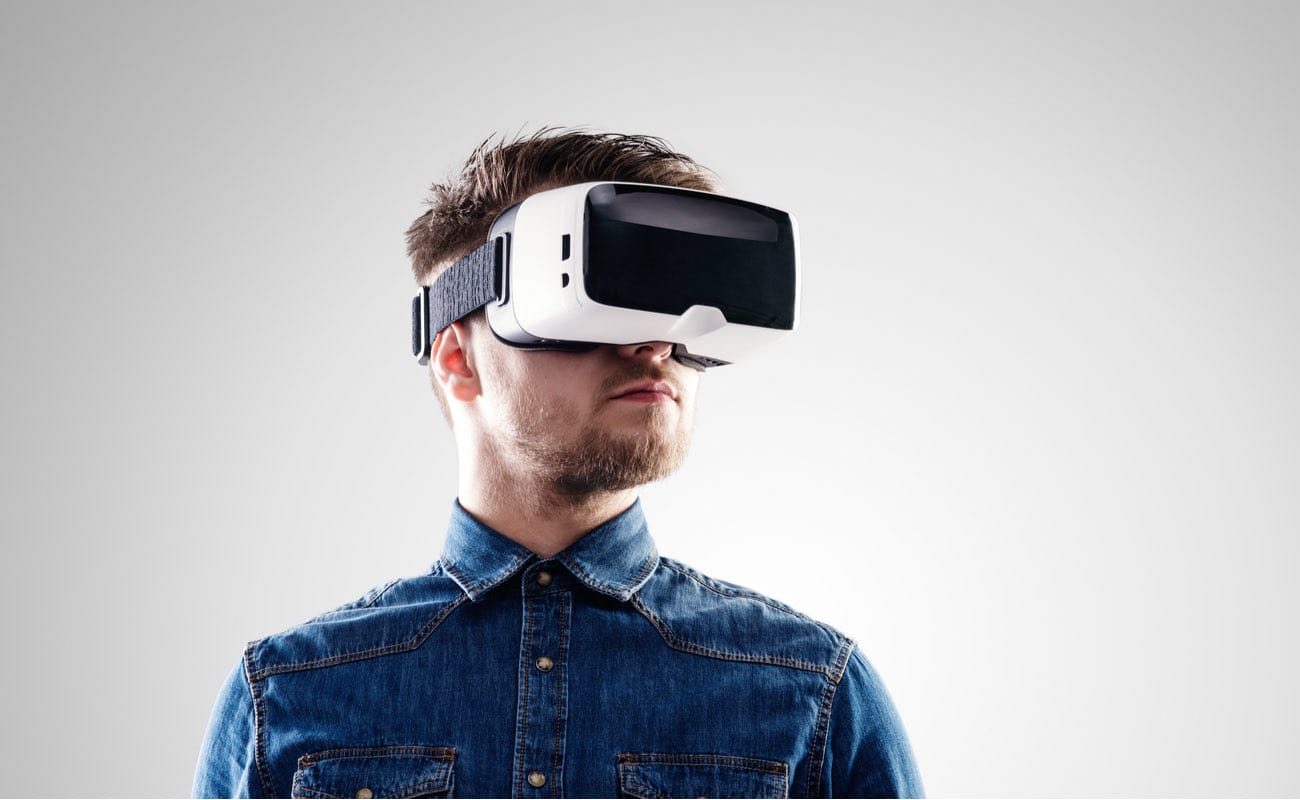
<point>867,751</point>
<point>226,766</point>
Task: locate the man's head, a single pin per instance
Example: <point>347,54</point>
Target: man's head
<point>566,418</point>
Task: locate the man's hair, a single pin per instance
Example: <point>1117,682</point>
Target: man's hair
<point>503,172</point>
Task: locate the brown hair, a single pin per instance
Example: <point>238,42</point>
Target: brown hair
<point>500,173</point>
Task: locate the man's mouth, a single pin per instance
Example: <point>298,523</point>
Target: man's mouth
<point>647,392</point>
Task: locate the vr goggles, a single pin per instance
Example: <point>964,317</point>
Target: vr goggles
<point>622,263</point>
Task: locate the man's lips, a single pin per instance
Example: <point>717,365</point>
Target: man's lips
<point>646,392</point>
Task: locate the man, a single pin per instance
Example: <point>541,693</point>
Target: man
<point>551,651</point>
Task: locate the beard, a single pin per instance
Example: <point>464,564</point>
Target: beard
<point>601,462</point>
<point>595,460</point>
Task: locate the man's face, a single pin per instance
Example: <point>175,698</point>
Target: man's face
<point>609,419</point>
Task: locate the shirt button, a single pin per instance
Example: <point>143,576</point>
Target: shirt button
<point>536,779</point>
<point>543,578</point>
<point>545,664</point>
<point>365,793</point>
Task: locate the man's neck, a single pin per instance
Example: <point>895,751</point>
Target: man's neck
<point>537,517</point>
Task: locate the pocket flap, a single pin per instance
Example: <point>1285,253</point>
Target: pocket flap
<point>365,772</point>
<point>699,775</point>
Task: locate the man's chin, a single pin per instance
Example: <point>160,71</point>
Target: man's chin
<point>618,461</point>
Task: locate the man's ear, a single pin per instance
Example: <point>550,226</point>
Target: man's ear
<point>452,364</point>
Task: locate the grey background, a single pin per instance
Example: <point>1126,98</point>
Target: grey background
<point>1035,445</point>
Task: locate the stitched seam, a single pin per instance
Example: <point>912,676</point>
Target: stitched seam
<point>650,564</point>
<point>708,583</point>
<point>441,753</point>
<point>628,780</point>
<point>309,791</point>
<point>696,759</point>
<point>818,755</point>
<point>842,659</point>
<point>746,768</point>
<point>479,587</point>
<point>410,644</point>
<point>559,708</point>
<point>259,727</point>
<point>460,577</point>
<point>679,643</point>
<point>366,600</point>
<point>506,571</point>
<point>752,595</point>
<point>381,593</point>
<point>618,590</point>
<point>558,672</point>
<point>629,783</point>
<point>596,583</point>
<point>522,733</point>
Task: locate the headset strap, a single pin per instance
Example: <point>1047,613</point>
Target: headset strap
<point>462,288</point>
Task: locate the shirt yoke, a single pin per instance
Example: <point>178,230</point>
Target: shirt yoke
<point>390,618</point>
<point>698,614</point>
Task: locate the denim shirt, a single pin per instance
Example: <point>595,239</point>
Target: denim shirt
<point>606,670</point>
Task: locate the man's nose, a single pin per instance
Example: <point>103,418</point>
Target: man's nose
<point>645,351</point>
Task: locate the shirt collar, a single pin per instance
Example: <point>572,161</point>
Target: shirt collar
<point>615,558</point>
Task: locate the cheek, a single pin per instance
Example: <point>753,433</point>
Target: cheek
<point>507,398</point>
<point>549,390</point>
<point>565,377</point>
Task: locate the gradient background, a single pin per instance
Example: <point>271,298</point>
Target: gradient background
<point>1035,445</point>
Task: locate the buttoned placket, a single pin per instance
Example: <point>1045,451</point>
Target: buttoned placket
<point>542,717</point>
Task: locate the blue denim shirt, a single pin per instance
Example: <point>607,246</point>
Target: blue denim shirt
<point>606,670</point>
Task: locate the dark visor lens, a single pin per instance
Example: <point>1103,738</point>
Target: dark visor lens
<point>665,250</point>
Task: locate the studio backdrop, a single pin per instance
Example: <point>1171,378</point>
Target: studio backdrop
<point>1034,445</point>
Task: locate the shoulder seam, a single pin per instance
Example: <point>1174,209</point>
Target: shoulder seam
<point>749,594</point>
<point>367,600</point>
<point>744,593</point>
<point>382,592</point>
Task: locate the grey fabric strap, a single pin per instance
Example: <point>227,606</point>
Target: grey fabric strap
<point>465,286</point>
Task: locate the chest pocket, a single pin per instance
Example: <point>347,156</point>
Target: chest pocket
<point>366,772</point>
<point>699,775</point>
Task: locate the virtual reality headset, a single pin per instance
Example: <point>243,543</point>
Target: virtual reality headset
<point>623,263</point>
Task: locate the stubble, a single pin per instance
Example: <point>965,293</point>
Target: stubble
<point>575,469</point>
